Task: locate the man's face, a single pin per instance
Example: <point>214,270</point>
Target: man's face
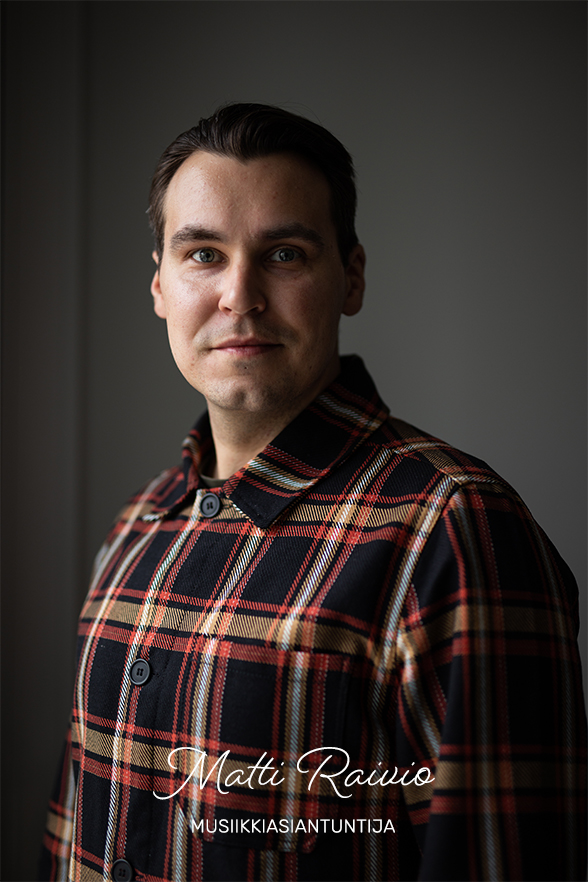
<point>251,282</point>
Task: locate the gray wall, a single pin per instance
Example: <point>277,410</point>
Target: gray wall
<point>467,124</point>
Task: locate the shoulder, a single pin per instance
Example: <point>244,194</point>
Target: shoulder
<point>416,462</point>
<point>449,499</point>
<point>468,536</point>
<point>143,506</point>
<point>161,492</point>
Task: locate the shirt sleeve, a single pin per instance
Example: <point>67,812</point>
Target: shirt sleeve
<point>56,847</point>
<point>491,697</point>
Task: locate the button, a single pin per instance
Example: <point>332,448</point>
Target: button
<point>122,871</point>
<point>140,672</point>
<point>210,505</point>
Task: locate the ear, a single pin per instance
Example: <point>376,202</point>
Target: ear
<point>354,274</point>
<point>158,301</point>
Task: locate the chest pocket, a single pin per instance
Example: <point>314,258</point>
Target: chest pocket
<point>258,723</point>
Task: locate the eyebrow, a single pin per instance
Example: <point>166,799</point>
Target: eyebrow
<point>294,230</point>
<point>193,234</point>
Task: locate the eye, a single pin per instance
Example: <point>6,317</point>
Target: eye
<point>284,255</point>
<point>204,255</point>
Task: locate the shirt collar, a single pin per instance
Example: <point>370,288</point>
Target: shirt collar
<point>318,439</point>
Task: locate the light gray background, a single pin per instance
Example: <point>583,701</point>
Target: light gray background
<point>467,124</point>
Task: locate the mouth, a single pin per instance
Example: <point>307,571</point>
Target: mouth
<point>245,346</point>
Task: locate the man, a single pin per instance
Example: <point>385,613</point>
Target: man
<point>330,646</point>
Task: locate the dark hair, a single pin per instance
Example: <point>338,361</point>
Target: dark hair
<point>249,131</point>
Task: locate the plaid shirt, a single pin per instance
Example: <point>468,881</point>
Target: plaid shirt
<point>354,660</point>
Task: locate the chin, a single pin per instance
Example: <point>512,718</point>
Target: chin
<point>258,399</point>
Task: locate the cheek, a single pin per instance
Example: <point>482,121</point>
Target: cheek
<point>317,307</point>
<point>187,309</point>
<point>320,315</point>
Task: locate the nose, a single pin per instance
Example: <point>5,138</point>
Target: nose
<point>242,289</point>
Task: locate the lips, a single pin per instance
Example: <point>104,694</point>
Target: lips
<point>246,346</point>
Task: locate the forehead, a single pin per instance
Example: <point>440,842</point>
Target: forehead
<point>208,188</point>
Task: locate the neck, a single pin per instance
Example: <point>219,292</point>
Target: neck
<point>238,438</point>
<point>239,435</point>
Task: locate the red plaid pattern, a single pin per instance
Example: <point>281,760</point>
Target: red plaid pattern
<point>365,595</point>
